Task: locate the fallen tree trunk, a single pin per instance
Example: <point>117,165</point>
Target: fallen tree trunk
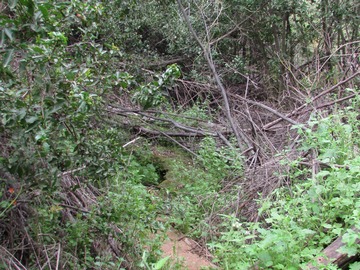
<point>148,132</point>
<point>332,255</point>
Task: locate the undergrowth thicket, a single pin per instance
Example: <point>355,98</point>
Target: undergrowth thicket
<point>300,220</point>
<point>90,178</point>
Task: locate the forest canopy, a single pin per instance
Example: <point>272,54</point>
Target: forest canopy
<point>234,123</point>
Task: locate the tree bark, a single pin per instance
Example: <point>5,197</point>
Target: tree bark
<point>332,255</point>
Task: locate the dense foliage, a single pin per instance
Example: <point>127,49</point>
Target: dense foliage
<point>113,130</point>
<point>302,219</point>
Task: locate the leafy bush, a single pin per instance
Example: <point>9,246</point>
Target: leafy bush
<point>302,220</point>
<point>54,79</point>
<point>126,212</point>
<point>220,162</point>
<point>152,94</point>
<point>192,187</point>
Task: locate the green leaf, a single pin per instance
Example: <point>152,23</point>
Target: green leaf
<point>307,232</point>
<point>12,4</point>
<point>350,251</point>
<point>21,113</point>
<point>355,266</point>
<point>327,226</point>
<point>41,136</point>
<point>265,257</point>
<point>350,237</point>
<point>37,49</point>
<point>9,33</point>
<point>8,57</point>
<point>323,174</point>
<point>44,12</point>
<point>2,40</point>
<point>31,119</point>
<point>30,6</point>
<point>56,107</point>
<point>4,204</point>
<point>123,84</point>
<point>160,264</point>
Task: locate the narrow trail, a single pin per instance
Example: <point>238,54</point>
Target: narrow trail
<point>180,249</point>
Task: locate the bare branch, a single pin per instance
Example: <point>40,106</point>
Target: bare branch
<point>240,137</point>
<point>335,86</point>
<point>74,208</point>
<point>297,110</point>
<point>71,171</point>
<point>58,257</point>
<point>132,141</point>
<point>168,120</point>
<point>147,131</point>
<point>284,117</point>
<point>181,145</point>
<point>332,102</point>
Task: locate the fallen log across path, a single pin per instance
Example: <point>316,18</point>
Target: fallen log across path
<point>334,256</point>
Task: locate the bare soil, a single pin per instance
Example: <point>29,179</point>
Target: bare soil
<point>181,249</point>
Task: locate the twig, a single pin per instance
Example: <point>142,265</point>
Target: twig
<point>31,243</point>
<point>206,50</point>
<point>236,27</point>
<point>331,103</point>
<point>249,116</point>
<point>226,141</point>
<point>47,258</point>
<point>180,126</point>
<point>314,165</point>
<point>325,165</point>
<point>284,117</point>
<point>126,110</point>
<point>71,171</point>
<point>181,145</point>
<point>58,258</point>
<point>74,208</point>
<point>334,53</point>
<point>335,86</point>
<point>333,256</point>
<point>132,141</point>
<point>314,99</point>
<point>169,120</point>
<point>18,264</point>
<point>166,62</point>
<point>146,131</point>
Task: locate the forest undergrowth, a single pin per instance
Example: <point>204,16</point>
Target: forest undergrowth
<point>235,123</point>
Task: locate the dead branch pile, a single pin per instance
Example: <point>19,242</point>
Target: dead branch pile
<point>20,244</point>
<point>265,128</point>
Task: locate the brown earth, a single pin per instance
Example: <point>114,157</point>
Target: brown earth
<point>181,249</point>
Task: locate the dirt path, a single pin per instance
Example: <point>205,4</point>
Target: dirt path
<point>180,249</point>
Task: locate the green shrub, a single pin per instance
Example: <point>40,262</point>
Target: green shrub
<point>193,186</point>
<point>302,220</point>
<point>219,162</point>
